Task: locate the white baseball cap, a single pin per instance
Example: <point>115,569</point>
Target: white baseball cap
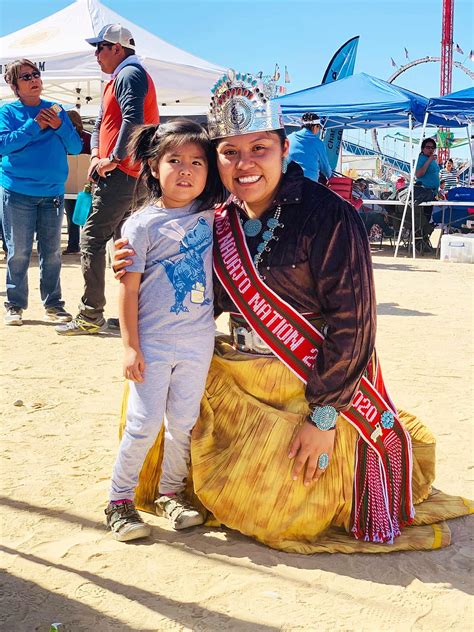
<point>115,34</point>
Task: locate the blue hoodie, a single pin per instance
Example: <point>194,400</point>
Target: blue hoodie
<point>310,153</point>
<point>34,161</point>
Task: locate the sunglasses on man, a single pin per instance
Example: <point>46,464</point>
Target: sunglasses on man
<point>28,76</point>
<point>101,45</point>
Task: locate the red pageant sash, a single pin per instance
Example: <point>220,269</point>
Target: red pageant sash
<point>382,483</point>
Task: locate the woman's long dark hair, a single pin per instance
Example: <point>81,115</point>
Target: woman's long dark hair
<point>152,142</point>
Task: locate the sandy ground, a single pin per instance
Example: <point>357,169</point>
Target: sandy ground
<point>59,402</point>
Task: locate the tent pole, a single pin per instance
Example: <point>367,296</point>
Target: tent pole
<point>410,187</point>
<point>411,194</point>
<point>412,163</point>
<point>403,217</point>
<point>471,152</point>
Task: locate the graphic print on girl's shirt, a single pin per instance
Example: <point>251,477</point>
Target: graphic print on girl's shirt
<point>187,275</point>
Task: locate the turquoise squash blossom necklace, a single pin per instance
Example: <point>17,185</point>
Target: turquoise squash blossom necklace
<point>252,228</point>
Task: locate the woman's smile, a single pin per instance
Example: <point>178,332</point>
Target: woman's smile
<point>248,179</point>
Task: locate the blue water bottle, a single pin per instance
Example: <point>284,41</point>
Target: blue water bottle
<point>83,205</point>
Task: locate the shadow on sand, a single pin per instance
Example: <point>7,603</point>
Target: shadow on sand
<point>448,565</point>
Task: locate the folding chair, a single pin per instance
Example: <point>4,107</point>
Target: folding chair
<point>342,185</point>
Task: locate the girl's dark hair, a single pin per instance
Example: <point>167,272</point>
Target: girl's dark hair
<point>152,142</point>
<point>426,141</point>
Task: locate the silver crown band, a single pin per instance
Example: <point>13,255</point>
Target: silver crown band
<point>242,104</point>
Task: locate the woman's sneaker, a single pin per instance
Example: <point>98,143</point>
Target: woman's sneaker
<point>57,315</point>
<point>13,316</point>
<point>179,511</point>
<point>125,522</point>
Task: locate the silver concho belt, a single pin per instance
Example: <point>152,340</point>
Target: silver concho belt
<point>246,340</point>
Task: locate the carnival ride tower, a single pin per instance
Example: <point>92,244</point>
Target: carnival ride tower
<point>446,76</point>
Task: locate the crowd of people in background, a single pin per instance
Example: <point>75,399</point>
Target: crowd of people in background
<point>36,137</point>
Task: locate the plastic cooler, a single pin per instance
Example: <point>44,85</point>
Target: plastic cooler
<point>458,248</point>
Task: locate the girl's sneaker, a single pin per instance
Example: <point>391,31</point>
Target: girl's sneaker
<point>125,522</point>
<point>179,511</point>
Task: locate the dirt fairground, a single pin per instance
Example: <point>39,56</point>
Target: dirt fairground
<point>59,402</point>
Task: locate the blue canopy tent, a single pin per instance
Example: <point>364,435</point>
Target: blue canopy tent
<point>457,105</point>
<point>365,102</point>
<point>360,101</point>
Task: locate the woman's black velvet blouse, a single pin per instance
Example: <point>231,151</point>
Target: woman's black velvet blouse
<point>321,263</point>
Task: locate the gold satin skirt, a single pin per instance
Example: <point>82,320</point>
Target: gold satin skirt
<point>241,472</point>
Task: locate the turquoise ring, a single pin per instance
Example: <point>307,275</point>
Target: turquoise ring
<point>323,461</point>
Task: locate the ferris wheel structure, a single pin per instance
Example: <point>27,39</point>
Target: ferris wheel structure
<point>411,64</point>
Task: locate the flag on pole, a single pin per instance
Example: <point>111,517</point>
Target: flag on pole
<point>260,74</point>
<point>406,53</point>
<point>276,74</point>
<point>393,62</point>
<point>287,76</point>
<point>471,55</point>
<point>341,65</point>
<point>459,49</point>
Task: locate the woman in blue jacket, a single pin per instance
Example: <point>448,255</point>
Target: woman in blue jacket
<point>35,138</point>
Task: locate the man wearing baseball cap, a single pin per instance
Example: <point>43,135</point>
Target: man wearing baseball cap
<point>129,99</point>
<point>113,34</point>
<point>308,150</point>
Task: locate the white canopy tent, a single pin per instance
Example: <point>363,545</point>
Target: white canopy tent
<point>70,71</point>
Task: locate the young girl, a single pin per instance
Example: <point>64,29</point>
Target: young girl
<point>166,317</point>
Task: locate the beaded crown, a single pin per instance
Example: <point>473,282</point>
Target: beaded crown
<point>242,104</point>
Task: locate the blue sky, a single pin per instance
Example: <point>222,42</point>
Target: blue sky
<point>253,35</point>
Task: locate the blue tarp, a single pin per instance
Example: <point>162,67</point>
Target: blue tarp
<point>458,105</point>
<point>359,101</point>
